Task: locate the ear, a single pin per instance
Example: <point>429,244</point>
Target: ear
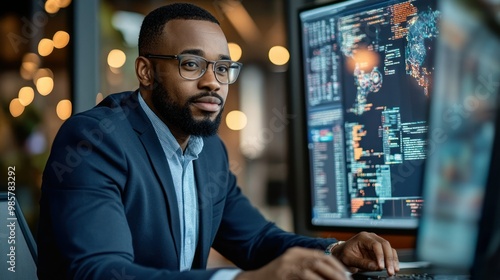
<point>144,72</point>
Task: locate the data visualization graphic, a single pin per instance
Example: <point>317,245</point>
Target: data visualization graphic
<point>422,31</point>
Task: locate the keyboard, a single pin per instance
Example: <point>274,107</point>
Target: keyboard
<point>414,276</point>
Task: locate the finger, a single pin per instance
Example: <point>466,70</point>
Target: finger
<point>366,260</point>
<point>310,274</point>
<point>312,264</point>
<point>389,256</point>
<point>331,268</point>
<point>396,260</point>
<point>386,256</point>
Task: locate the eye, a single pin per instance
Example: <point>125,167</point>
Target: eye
<point>191,64</point>
<point>222,67</point>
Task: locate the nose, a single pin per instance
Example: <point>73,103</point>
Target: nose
<point>208,80</point>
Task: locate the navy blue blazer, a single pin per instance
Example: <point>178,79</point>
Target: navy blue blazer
<point>108,208</point>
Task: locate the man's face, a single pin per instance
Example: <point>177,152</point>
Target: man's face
<point>181,115</point>
<point>191,107</point>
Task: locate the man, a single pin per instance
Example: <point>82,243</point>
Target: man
<point>139,187</point>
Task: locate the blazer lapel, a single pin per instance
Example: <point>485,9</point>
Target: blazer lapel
<point>205,212</point>
<point>149,139</point>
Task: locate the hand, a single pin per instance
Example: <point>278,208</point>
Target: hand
<point>299,263</point>
<point>367,251</point>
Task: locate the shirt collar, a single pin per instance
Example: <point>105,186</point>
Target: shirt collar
<point>167,139</point>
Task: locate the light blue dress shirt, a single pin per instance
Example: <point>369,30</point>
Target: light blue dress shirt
<point>181,168</point>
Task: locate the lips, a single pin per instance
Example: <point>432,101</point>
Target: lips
<point>208,103</point>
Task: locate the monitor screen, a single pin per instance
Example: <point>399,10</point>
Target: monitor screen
<point>367,69</point>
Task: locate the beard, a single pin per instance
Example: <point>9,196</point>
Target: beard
<point>180,115</point>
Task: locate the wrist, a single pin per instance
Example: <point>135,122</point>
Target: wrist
<point>329,250</point>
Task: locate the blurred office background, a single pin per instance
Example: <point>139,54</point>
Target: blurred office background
<point>60,57</point>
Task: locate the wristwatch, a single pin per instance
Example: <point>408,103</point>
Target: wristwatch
<point>329,249</point>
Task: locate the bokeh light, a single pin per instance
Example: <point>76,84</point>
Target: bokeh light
<point>29,66</point>
<point>60,39</point>
<point>64,109</point>
<point>234,51</point>
<point>26,95</point>
<point>63,3</point>
<point>116,58</point>
<point>16,108</point>
<point>236,120</point>
<point>42,72</point>
<point>279,55</point>
<point>45,85</point>
<point>51,6</point>
<point>45,47</point>
<point>98,98</point>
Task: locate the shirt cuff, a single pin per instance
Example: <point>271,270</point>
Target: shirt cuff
<point>225,274</point>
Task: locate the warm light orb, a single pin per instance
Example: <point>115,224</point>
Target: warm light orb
<point>26,96</point>
<point>234,51</point>
<point>25,74</point>
<point>279,55</point>
<point>16,108</point>
<point>236,120</point>
<point>116,58</point>
<point>31,62</point>
<point>364,59</point>
<point>51,6</point>
<point>45,47</point>
<point>63,109</point>
<point>61,39</point>
<point>63,3</point>
<point>29,66</point>
<point>45,85</point>
<point>42,72</point>
<point>98,98</point>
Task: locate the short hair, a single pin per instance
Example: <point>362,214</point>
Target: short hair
<point>153,24</point>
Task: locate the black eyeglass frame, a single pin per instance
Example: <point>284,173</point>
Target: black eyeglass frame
<point>213,62</point>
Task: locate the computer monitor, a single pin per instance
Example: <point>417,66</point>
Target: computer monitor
<point>367,72</point>
<point>460,222</point>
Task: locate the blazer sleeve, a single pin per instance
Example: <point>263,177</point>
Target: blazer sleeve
<point>246,238</point>
<point>83,230</point>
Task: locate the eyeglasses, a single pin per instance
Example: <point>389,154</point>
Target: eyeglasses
<point>193,67</point>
